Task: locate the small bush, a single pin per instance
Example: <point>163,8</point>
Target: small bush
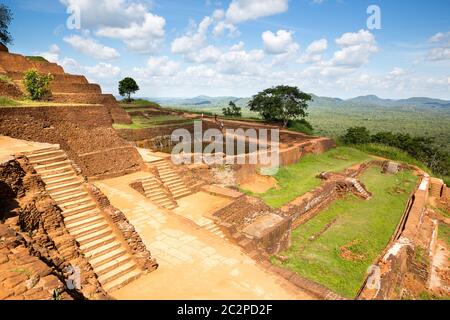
<point>37,85</point>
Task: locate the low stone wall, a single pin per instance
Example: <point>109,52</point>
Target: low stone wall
<point>404,265</point>
<point>317,200</point>
<point>43,248</point>
<point>85,133</point>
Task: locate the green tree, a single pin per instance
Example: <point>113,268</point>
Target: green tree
<point>232,110</point>
<point>127,86</point>
<point>356,135</point>
<point>37,85</point>
<point>280,104</point>
<point>5,21</point>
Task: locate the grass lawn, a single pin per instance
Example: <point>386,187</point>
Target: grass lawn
<point>297,179</point>
<point>352,227</point>
<point>142,122</point>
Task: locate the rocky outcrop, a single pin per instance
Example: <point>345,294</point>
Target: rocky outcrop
<point>34,240</point>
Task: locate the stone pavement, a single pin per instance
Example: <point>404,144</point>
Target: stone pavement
<point>194,264</point>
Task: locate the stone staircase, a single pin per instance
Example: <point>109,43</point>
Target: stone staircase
<point>171,179</point>
<point>112,263</point>
<point>155,191</point>
<point>360,189</point>
<point>212,227</point>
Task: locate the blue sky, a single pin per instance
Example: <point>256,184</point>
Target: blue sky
<point>238,47</point>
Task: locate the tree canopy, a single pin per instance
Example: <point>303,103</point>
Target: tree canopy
<point>5,21</point>
<point>280,104</point>
<point>232,110</point>
<point>127,86</point>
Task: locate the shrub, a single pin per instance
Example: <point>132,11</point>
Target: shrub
<point>232,110</point>
<point>37,85</point>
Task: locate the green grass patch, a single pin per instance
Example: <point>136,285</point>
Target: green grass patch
<point>140,122</point>
<point>444,233</point>
<point>139,103</point>
<point>297,179</point>
<point>36,58</point>
<point>336,247</point>
<point>7,102</point>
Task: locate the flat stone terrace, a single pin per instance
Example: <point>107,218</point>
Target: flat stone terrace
<point>193,263</point>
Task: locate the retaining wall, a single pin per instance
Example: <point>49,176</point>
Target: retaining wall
<point>85,133</point>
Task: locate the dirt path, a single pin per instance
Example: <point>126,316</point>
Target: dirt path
<point>440,264</point>
<point>194,264</point>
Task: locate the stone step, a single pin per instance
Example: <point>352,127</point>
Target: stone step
<point>107,257</point>
<point>65,168</point>
<point>67,192</point>
<point>58,175</point>
<point>117,272</point>
<point>89,247</point>
<point>178,187</point>
<point>70,197</point>
<point>174,178</point>
<point>62,180</point>
<point>91,237</point>
<point>84,223</point>
<point>90,229</point>
<point>169,176</point>
<point>51,166</point>
<point>122,280</point>
<point>166,203</point>
<point>82,216</point>
<point>103,250</point>
<point>157,197</point>
<point>79,209</point>
<point>43,150</point>
<point>45,154</point>
<point>49,160</point>
<point>75,203</point>
<point>112,265</point>
<point>180,194</point>
<point>62,187</point>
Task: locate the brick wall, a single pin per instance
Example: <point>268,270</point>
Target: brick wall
<point>85,133</point>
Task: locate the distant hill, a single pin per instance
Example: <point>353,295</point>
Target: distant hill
<point>362,101</point>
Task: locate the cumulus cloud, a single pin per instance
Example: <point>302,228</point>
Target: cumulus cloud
<point>243,10</point>
<point>91,48</point>
<point>314,51</point>
<point>356,48</point>
<point>158,66</point>
<point>129,21</point>
<point>280,42</point>
<point>192,40</point>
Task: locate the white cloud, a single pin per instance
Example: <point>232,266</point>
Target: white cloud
<point>158,66</point>
<point>314,51</point>
<point>244,10</point>
<point>192,41</point>
<point>52,54</point>
<point>91,48</point>
<point>127,20</point>
<point>280,42</point>
<point>357,47</point>
<point>102,70</point>
<point>441,51</point>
